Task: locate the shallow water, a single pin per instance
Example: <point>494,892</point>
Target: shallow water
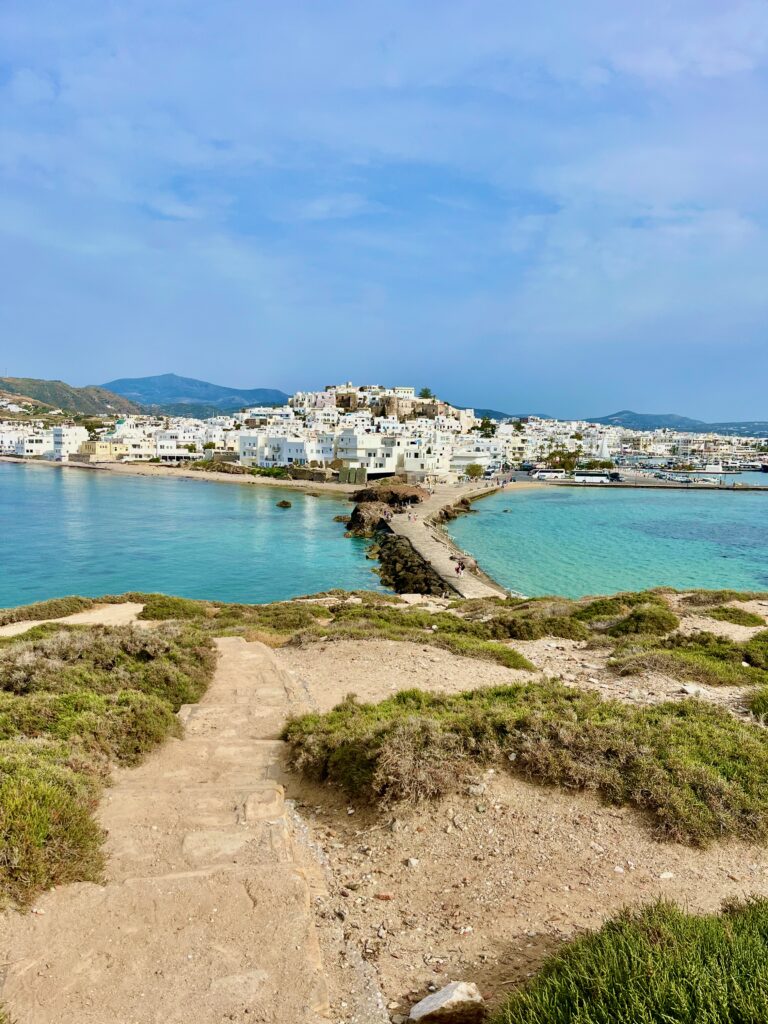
<point>79,532</point>
<point>573,541</point>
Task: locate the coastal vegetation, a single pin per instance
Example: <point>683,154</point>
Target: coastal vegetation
<point>657,963</point>
<point>697,772</point>
<point>56,608</point>
<point>738,616</point>
<point>698,657</point>
<point>73,701</point>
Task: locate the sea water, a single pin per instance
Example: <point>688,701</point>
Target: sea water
<point>576,541</point>
<point>68,531</point>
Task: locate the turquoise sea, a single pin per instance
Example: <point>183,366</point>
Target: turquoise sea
<point>79,532</point>
<point>571,541</point>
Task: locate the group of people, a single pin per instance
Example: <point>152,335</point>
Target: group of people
<point>460,567</point>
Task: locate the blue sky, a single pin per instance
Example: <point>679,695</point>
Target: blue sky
<point>552,207</point>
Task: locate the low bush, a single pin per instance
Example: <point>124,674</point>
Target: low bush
<point>699,773</point>
<point>606,609</point>
<point>47,833</point>
<point>656,964</point>
<point>160,607</point>
<point>738,616</point>
<point>698,657</point>
<point>172,661</point>
<point>709,598</point>
<point>757,702</point>
<point>652,619</point>
<point>120,726</point>
<point>56,608</point>
<point>534,627</point>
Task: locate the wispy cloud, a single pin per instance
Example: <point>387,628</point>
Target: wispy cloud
<point>512,207</point>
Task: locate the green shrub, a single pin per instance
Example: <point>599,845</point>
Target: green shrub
<point>757,702</point>
<point>605,609</point>
<point>56,608</point>
<point>172,661</point>
<point>700,657</point>
<point>699,772</point>
<point>653,619</point>
<point>756,650</point>
<point>709,598</point>
<point>657,964</point>
<point>121,726</point>
<point>47,833</point>
<point>533,627</point>
<point>738,616</point>
<point>162,607</point>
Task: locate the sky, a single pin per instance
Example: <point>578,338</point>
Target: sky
<point>536,207</point>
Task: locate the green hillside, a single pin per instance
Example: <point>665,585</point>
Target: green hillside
<point>55,393</point>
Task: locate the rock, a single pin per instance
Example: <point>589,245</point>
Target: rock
<point>476,789</point>
<point>412,862</point>
<point>391,494</point>
<point>666,875</point>
<point>284,503</point>
<point>367,518</point>
<point>457,1003</point>
<point>691,689</point>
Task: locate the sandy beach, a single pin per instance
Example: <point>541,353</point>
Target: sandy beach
<point>146,469</point>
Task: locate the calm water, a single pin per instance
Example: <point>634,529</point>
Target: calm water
<point>576,542</point>
<point>69,532</point>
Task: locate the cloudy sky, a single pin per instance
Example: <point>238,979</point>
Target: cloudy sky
<point>556,207</point>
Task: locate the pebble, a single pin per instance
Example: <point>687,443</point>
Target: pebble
<point>666,875</point>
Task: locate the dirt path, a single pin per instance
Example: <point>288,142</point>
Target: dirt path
<point>103,614</point>
<point>205,916</point>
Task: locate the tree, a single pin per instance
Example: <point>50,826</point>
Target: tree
<point>561,458</point>
<point>426,393</point>
<point>474,471</point>
<point>208,446</point>
<point>518,425</point>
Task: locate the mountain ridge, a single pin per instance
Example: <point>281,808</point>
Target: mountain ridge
<point>56,394</point>
<point>164,390</point>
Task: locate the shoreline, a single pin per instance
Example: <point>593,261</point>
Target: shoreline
<point>155,471</point>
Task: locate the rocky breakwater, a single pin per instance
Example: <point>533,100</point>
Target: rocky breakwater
<point>402,567</point>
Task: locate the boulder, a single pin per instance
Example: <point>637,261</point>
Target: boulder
<point>457,1003</point>
<point>284,503</point>
<point>367,518</point>
<point>391,494</point>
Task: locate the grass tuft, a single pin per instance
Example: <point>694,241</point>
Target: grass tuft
<point>652,965</point>
<point>699,773</point>
<point>738,616</point>
<point>651,619</point>
<point>700,657</point>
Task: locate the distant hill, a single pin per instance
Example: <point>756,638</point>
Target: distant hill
<point>185,396</point>
<point>658,421</point>
<point>91,401</point>
<point>494,414</point>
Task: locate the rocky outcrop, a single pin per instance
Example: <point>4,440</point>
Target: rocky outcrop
<point>449,512</point>
<point>392,494</point>
<point>368,518</point>
<point>404,570</point>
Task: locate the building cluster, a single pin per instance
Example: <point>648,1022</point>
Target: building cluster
<point>377,430</point>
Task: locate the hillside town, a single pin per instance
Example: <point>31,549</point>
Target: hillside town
<point>368,431</point>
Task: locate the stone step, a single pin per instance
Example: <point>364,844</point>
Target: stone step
<point>203,947</point>
<point>228,722</point>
